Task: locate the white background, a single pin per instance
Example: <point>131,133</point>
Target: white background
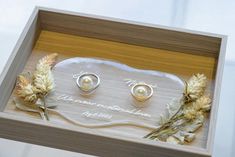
<point>216,16</point>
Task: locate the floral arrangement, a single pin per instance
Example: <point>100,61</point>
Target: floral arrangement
<point>185,116</point>
<point>36,86</point>
<point>177,125</point>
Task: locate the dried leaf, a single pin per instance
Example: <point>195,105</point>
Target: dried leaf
<point>172,140</point>
<point>28,107</point>
<point>171,110</point>
<point>184,136</point>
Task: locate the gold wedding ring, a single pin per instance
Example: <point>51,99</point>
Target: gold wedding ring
<point>141,91</point>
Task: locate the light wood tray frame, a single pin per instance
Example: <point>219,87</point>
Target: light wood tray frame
<point>178,51</point>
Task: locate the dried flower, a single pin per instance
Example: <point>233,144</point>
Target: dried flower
<point>48,60</point>
<point>42,83</point>
<point>42,77</point>
<point>203,103</point>
<point>191,113</point>
<point>195,87</point>
<point>185,116</point>
<point>25,90</point>
<point>198,107</point>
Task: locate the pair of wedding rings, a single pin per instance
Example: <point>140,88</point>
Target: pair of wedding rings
<point>89,82</point>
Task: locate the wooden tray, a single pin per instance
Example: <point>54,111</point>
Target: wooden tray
<point>144,46</point>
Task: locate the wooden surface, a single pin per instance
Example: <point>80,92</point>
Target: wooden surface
<point>216,94</point>
<point>86,141</point>
<point>181,64</point>
<point>131,33</point>
<point>74,46</point>
<point>20,53</point>
<point>193,52</point>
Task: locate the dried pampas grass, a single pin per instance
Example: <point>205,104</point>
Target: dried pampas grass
<point>32,88</point>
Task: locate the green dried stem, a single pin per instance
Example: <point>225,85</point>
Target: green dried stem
<point>172,120</point>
